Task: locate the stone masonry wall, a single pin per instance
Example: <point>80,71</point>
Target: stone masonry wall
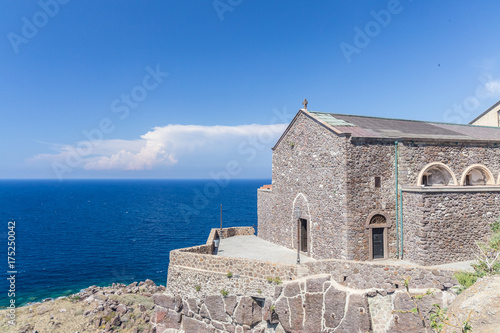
<point>310,305</point>
<point>443,227</point>
<point>190,271</point>
<point>309,172</point>
<point>365,162</point>
<point>242,266</point>
<point>380,275</point>
<point>190,282</point>
<point>266,214</point>
<point>413,157</point>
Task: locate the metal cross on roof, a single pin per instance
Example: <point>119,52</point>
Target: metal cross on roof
<point>305,104</point>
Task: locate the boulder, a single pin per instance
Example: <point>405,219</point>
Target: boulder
<point>482,302</point>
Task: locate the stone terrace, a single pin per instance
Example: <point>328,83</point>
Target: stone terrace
<point>253,247</point>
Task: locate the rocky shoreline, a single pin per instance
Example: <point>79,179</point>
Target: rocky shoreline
<point>116,308</point>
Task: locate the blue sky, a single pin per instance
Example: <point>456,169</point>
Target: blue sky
<point>190,89</point>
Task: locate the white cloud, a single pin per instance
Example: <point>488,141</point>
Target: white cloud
<point>493,87</point>
<point>167,146</point>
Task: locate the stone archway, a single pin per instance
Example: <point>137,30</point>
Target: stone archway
<point>436,174</point>
<point>477,174</point>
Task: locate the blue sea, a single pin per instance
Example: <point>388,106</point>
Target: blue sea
<point>76,233</point>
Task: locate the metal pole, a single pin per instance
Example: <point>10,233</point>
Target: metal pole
<point>298,241</point>
<point>396,174</point>
<point>221,221</point>
<point>401,223</point>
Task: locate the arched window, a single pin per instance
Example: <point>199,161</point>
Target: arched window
<point>436,174</point>
<point>378,219</point>
<point>477,174</point>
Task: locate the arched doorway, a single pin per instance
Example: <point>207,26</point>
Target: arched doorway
<point>378,226</point>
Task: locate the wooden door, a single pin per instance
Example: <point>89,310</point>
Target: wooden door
<point>378,243</point>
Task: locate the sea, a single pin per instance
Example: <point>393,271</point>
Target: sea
<point>72,234</point>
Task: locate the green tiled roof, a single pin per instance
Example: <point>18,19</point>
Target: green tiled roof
<point>330,119</point>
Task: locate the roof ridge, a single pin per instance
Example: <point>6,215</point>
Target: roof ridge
<point>412,120</point>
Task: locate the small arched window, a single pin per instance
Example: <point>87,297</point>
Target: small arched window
<point>477,175</point>
<point>378,219</point>
<point>436,174</point>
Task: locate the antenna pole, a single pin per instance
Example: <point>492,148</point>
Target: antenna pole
<point>221,220</point>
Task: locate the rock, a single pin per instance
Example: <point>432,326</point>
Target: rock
<point>116,321</point>
<point>192,305</point>
<point>296,313</point>
<point>204,311</point>
<point>192,325</point>
<point>89,299</point>
<point>291,289</point>
<point>314,285</point>
<point>313,311</point>
<point>382,292</point>
<point>277,291</point>
<point>230,303</point>
<point>28,328</point>
<point>248,312</point>
<point>215,305</point>
<point>266,311</point>
<point>167,318</point>
<point>482,302</point>
<point>218,326</point>
<point>411,322</point>
<point>357,318</point>
<point>150,283</point>
<point>168,301</point>
<point>447,285</point>
<point>98,322</point>
<point>283,311</point>
<point>334,307</point>
<point>121,309</point>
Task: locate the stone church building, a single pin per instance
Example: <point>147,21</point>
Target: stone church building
<point>367,188</point>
